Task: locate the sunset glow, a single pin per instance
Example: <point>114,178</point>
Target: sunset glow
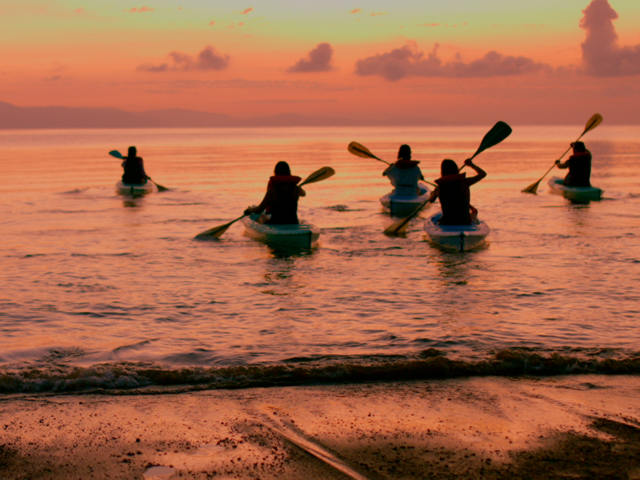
<point>454,62</point>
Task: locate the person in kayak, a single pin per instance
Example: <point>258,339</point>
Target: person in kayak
<point>454,193</point>
<point>281,199</point>
<point>404,174</point>
<point>579,165</point>
<point>133,165</point>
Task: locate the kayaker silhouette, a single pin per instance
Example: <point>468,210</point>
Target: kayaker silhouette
<point>280,203</point>
<point>454,193</point>
<point>404,174</point>
<point>133,165</point>
<point>579,165</point>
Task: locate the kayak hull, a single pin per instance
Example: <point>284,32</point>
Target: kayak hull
<point>403,205</point>
<point>303,235</point>
<point>456,237</point>
<point>134,189</point>
<point>575,194</point>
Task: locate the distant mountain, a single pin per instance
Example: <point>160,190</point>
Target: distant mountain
<point>12,117</point>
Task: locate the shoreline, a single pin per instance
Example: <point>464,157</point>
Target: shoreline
<point>579,426</point>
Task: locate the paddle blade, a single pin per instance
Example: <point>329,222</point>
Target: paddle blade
<point>116,153</point>
<point>319,175</point>
<point>401,226</point>
<point>533,188</point>
<point>160,187</point>
<point>217,232</point>
<point>498,133</point>
<point>592,123</point>
<point>360,150</point>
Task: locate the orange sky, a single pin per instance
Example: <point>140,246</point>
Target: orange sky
<point>525,64</point>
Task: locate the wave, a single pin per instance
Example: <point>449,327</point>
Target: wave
<point>129,377</point>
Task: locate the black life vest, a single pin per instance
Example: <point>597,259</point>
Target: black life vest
<point>283,200</point>
<point>579,170</point>
<point>134,173</point>
<point>454,197</point>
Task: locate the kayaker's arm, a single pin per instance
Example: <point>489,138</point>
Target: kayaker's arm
<point>561,165</point>
<point>480,172</point>
<point>434,195</point>
<point>301,192</point>
<point>263,205</point>
<point>386,170</point>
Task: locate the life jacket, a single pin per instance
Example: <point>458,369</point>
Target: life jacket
<point>283,200</point>
<point>579,170</point>
<point>403,164</point>
<point>404,176</point>
<point>134,173</point>
<point>455,196</point>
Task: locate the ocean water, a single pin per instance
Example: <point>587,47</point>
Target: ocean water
<point>103,291</point>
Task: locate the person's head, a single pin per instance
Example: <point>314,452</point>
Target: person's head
<point>133,152</point>
<point>404,153</point>
<point>282,168</point>
<point>578,147</point>
<point>448,167</point>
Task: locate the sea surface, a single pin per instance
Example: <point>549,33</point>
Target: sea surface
<point>111,293</point>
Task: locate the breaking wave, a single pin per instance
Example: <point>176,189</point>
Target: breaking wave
<point>130,377</point>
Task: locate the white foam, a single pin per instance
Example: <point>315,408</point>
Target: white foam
<point>159,472</point>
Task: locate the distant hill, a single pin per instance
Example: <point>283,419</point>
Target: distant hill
<point>13,117</point>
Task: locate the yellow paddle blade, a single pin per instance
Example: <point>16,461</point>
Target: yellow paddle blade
<point>360,150</point>
<point>319,175</point>
<point>160,187</point>
<point>397,228</point>
<point>533,188</point>
<point>401,226</point>
<point>593,122</point>
<point>216,232</point>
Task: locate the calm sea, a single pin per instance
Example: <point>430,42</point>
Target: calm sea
<point>104,291</point>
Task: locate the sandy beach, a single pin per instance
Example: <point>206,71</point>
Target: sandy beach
<point>556,427</point>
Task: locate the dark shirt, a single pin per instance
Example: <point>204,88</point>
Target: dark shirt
<point>282,200</point>
<point>455,195</point>
<point>579,170</point>
<point>134,173</point>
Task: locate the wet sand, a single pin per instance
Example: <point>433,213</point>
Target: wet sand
<point>557,427</point>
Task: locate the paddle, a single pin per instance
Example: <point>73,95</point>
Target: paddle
<point>361,151</point>
<point>498,133</point>
<point>592,123</point>
<point>117,154</point>
<point>317,176</point>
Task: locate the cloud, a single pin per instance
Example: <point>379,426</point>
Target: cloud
<point>212,23</point>
<point>139,10</point>
<point>378,13</point>
<point>317,60</point>
<point>357,10</point>
<point>207,59</point>
<point>601,55</point>
<point>246,11</point>
<point>80,10</point>
<point>408,61</point>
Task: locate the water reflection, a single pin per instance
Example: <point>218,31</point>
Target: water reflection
<point>130,203</point>
<point>581,218</point>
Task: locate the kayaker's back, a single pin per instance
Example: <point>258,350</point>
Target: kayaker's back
<point>283,200</point>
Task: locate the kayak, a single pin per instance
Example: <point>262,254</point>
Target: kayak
<point>403,205</point>
<point>135,189</point>
<point>303,235</point>
<point>575,194</point>
<point>456,237</point>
